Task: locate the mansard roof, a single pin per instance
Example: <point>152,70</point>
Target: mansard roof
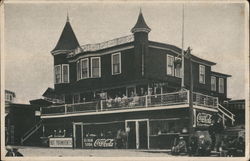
<point>140,25</point>
<point>67,40</point>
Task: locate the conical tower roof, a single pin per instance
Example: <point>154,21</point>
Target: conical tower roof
<point>67,40</point>
<point>140,25</point>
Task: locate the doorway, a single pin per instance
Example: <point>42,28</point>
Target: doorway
<point>78,135</point>
<point>138,133</point>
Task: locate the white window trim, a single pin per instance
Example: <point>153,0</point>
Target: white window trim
<point>55,74</point>
<point>203,66</point>
<point>220,81</point>
<point>99,67</point>
<point>173,71</point>
<point>120,62</point>
<point>87,68</point>
<point>213,77</point>
<point>62,77</point>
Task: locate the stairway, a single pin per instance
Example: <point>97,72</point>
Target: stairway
<point>31,131</point>
<point>225,114</point>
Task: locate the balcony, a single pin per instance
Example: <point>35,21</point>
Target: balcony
<point>138,102</point>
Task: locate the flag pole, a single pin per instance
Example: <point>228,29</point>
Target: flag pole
<point>182,50</point>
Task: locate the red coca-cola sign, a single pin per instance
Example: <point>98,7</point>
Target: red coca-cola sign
<point>104,143</point>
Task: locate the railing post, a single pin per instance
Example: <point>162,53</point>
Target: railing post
<point>188,96</point>
<point>65,108</point>
<point>146,100</point>
<point>223,119</point>
<point>101,105</point>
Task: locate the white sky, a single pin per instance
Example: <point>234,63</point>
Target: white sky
<point>214,32</point>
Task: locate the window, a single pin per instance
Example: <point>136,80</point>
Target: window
<point>177,69</point>
<point>202,74</point>
<point>213,83</point>
<point>57,71</point>
<point>95,67</point>
<point>85,68</point>
<point>116,63</point>
<point>170,65</point>
<point>65,73</point>
<point>78,70</point>
<point>221,85</point>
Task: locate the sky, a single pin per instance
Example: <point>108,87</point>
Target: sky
<point>215,31</point>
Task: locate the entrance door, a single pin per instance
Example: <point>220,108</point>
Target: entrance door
<point>78,135</point>
<point>138,137</point>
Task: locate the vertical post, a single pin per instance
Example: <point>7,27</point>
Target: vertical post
<point>223,119</point>
<point>146,100</point>
<point>65,109</point>
<point>101,102</point>
<point>182,50</point>
<point>191,129</point>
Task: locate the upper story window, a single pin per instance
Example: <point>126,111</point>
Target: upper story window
<point>116,63</point>
<point>95,67</point>
<point>78,70</point>
<point>170,65</point>
<point>202,74</point>
<point>57,71</point>
<point>221,85</point>
<point>85,68</point>
<point>213,83</point>
<point>61,73</point>
<point>178,68</point>
<point>65,73</point>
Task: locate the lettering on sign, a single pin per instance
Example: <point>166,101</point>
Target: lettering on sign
<point>60,142</point>
<point>104,143</point>
<point>203,119</point>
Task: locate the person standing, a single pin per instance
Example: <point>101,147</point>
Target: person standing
<point>218,130</point>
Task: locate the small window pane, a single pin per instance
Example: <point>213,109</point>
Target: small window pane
<point>57,74</point>
<point>65,73</point>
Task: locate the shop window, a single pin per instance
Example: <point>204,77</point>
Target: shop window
<point>95,67</point>
<point>158,127</point>
<point>202,74</point>
<point>85,68</point>
<point>221,85</point>
<point>116,63</point>
<point>170,65</point>
<point>57,71</point>
<point>213,83</point>
<point>65,73</point>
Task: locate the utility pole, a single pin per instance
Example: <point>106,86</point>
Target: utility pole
<point>182,51</point>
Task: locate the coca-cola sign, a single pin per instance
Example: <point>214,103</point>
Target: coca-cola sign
<point>203,119</point>
<point>104,143</point>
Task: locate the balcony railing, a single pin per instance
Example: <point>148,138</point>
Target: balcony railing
<point>103,45</point>
<point>167,99</point>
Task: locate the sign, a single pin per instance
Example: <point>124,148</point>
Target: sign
<point>104,143</point>
<point>203,119</point>
<point>60,142</point>
<point>88,142</point>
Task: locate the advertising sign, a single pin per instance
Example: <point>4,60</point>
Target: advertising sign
<point>202,118</point>
<point>60,142</point>
<point>91,142</point>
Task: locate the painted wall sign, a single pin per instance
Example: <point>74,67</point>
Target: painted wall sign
<point>60,142</point>
<point>104,143</point>
<point>203,119</point>
<point>88,142</point>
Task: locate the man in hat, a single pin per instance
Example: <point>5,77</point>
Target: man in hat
<point>181,147</point>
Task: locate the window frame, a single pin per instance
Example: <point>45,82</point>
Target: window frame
<point>99,58</point>
<point>223,87</point>
<point>82,68</point>
<point>60,73</point>
<point>167,65</point>
<point>62,76</point>
<point>200,74</point>
<point>120,62</point>
<point>215,83</point>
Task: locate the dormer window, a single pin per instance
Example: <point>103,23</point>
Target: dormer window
<point>116,63</point>
<point>202,74</point>
<point>95,67</point>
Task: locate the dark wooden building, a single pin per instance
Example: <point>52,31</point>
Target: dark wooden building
<point>129,84</point>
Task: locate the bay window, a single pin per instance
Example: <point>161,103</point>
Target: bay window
<point>95,67</point>
<point>85,68</point>
<point>65,73</point>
